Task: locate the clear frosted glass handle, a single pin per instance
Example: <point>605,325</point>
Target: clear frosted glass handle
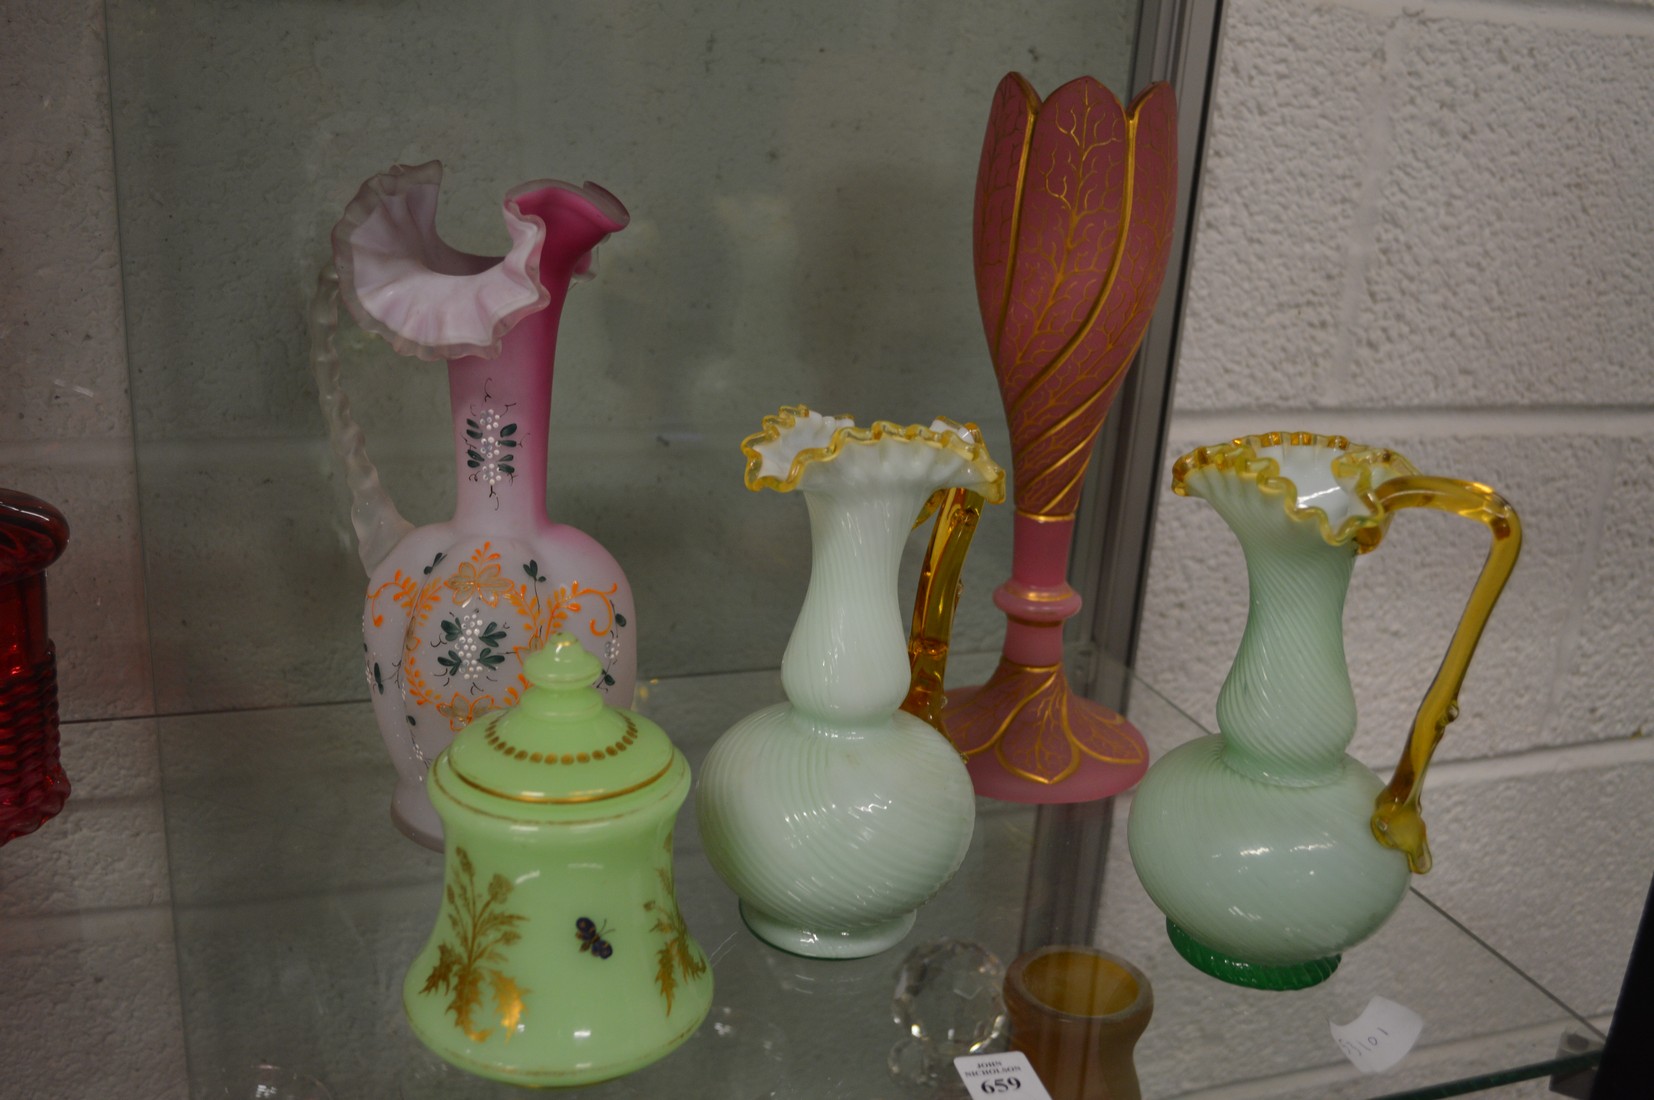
<point>1396,820</point>
<point>379,526</point>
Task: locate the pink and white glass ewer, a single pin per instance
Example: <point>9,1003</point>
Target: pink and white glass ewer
<point>1075,198</point>
<point>453,607</point>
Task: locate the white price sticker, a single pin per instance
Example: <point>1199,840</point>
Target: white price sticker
<point>1380,1037</point>
<point>1000,1075</point>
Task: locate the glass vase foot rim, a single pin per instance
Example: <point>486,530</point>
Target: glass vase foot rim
<point>1283,976</point>
<point>1093,782</point>
<point>417,831</point>
<point>851,944</point>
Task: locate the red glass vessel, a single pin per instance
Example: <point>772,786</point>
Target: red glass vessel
<point>32,784</point>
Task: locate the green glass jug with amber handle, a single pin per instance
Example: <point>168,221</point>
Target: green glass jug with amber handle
<point>1269,848</point>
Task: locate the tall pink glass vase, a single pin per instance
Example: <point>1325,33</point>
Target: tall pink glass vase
<point>1075,201</point>
<point>453,607</point>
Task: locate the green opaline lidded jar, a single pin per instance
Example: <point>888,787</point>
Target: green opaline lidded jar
<point>559,957</point>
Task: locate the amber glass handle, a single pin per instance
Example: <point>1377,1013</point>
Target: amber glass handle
<point>1396,821</point>
<point>957,512</point>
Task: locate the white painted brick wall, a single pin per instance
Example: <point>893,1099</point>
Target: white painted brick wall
<point>801,185</point>
<point>65,420</point>
<point>86,945</point>
<point>86,937</point>
<point>1428,225</point>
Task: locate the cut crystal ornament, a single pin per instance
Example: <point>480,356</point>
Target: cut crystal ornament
<point>949,1000</point>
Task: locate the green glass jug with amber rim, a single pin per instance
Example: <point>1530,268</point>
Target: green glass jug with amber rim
<point>1269,848</point>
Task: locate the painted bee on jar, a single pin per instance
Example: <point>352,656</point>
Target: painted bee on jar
<point>591,937</point>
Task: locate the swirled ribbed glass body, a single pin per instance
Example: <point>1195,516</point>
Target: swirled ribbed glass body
<point>1256,843</point>
<point>835,816</point>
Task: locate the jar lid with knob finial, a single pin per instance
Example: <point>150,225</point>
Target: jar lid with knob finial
<point>560,745</point>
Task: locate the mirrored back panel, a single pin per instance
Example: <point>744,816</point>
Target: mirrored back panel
<point>800,181</point>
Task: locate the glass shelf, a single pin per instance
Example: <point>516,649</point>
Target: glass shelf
<point>298,907</point>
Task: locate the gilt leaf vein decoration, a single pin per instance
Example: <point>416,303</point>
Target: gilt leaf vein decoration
<point>471,962</point>
<point>677,960</point>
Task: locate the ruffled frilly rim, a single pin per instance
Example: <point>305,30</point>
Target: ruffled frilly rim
<point>1356,467</point>
<point>505,289</point>
<point>962,440</point>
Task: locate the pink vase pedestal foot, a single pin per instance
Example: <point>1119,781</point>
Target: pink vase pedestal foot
<point>1092,778</point>
<point>1025,735</point>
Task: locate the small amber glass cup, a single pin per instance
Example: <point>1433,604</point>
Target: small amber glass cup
<point>1077,1012</point>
